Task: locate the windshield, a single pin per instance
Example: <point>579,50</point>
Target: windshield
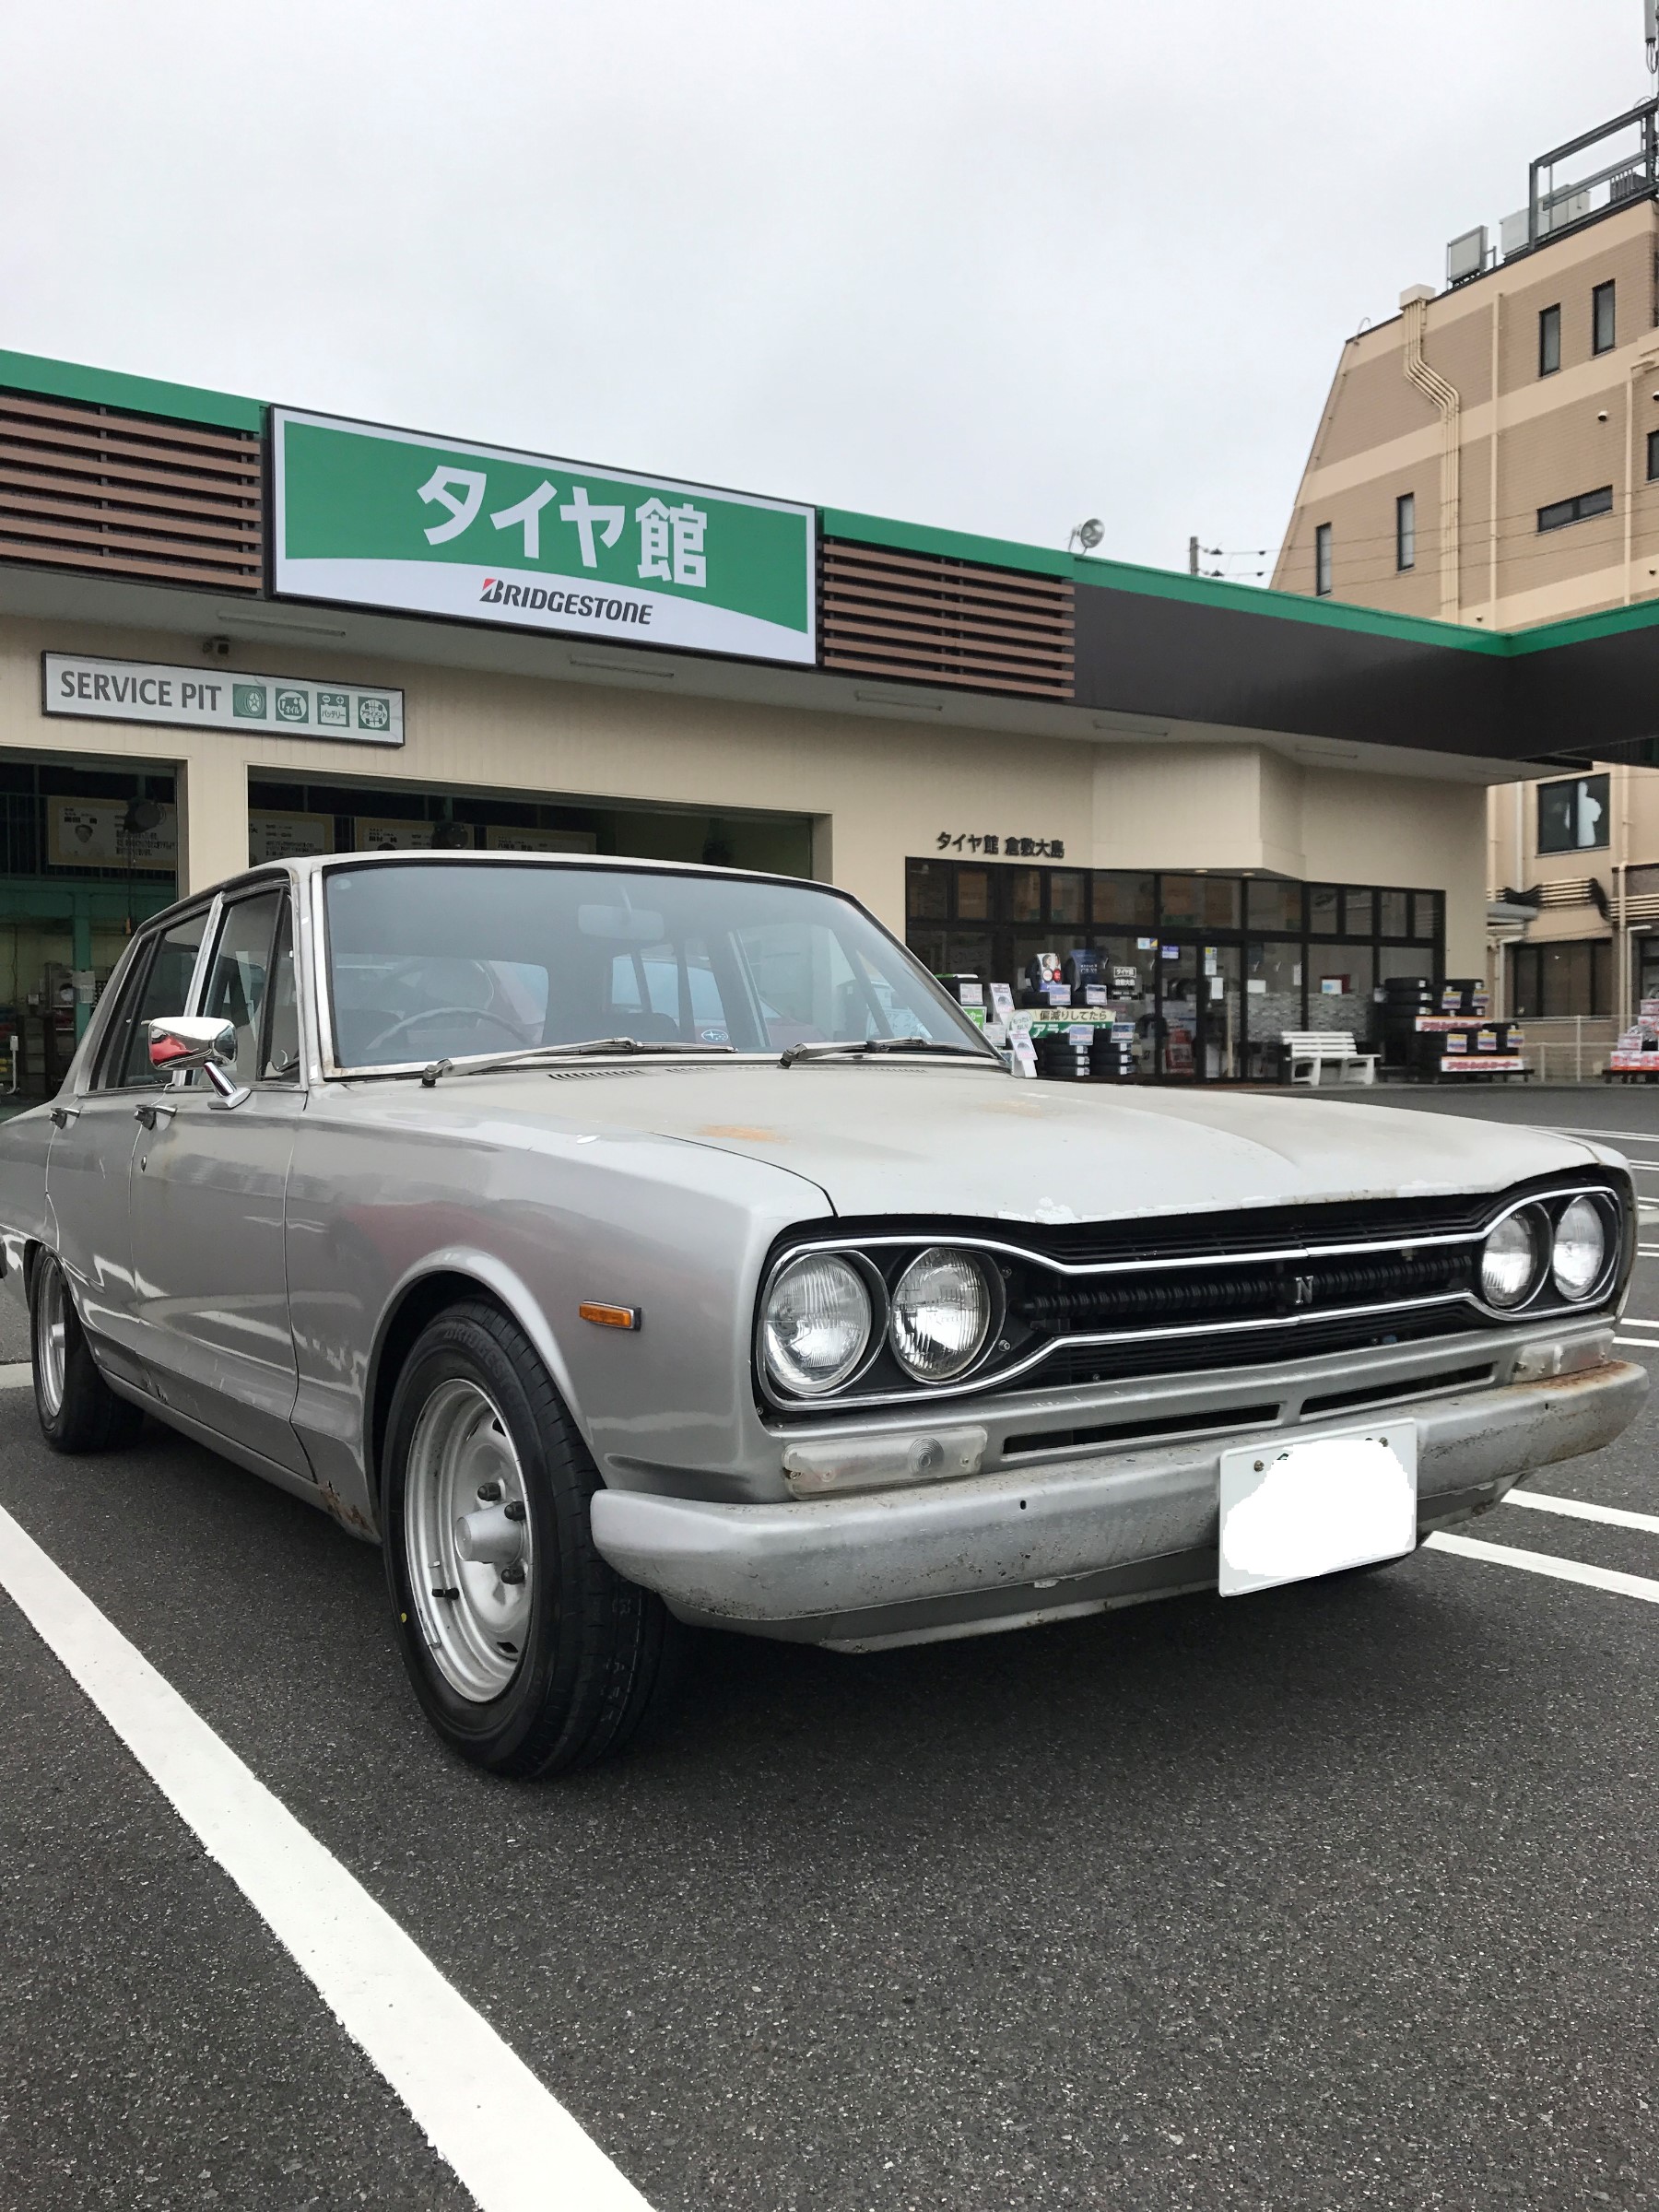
<point>438,959</point>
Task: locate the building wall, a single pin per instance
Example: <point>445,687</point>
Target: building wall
<point>1380,436</point>
<point>881,789</point>
<point>1540,440</point>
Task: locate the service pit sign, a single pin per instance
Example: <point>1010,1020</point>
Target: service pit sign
<point>380,518</point>
<point>90,689</point>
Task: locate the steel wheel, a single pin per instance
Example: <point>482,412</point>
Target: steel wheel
<point>51,1338</point>
<point>467,1534</point>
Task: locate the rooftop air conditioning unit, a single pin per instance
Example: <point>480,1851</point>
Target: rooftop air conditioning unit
<point>1512,233</point>
<point>1563,207</point>
<point>1467,255</point>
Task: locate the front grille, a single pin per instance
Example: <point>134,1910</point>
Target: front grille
<point>1078,1364</point>
<point>1282,1287</point>
<point>1086,1303</point>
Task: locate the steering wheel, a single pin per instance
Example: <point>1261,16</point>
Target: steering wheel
<point>429,1014</point>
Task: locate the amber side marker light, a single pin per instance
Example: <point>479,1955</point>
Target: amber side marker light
<point>610,1317</point>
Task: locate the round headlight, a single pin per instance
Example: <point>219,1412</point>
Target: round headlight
<point>1509,1261</point>
<point>941,1315</point>
<point>1580,1250</point>
<point>815,1329</point>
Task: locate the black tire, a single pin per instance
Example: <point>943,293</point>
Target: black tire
<point>88,1416</point>
<point>598,1656</point>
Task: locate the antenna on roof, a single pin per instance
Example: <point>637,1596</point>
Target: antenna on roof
<point>1650,15</point>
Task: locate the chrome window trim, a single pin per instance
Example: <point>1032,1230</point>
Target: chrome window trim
<point>976,1381</point>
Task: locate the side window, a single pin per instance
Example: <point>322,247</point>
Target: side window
<point>162,987</point>
<point>240,975</point>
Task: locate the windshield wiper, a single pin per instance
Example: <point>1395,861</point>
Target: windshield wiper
<point>532,1054</point>
<point>830,1048</point>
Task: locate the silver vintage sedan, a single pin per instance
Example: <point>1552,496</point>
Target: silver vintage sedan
<point>626,1246</point>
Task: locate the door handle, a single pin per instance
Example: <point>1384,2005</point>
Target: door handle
<point>153,1111</point>
<point>61,1116</point>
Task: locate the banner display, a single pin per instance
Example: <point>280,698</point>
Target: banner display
<point>88,833</point>
<point>540,841</point>
<point>291,706</point>
<point>386,519</point>
<point>288,836</point>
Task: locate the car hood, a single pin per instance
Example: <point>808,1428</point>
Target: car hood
<point>881,1138</point>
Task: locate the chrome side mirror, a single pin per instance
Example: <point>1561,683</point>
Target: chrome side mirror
<point>185,1041</point>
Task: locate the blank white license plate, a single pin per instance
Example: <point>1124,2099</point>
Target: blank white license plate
<point>1295,1510</point>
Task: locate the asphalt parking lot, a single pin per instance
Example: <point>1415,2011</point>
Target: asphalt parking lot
<point>1341,1895</point>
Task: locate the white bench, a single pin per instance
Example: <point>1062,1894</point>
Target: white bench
<point>1308,1051</point>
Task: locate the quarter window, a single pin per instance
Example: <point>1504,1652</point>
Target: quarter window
<point>240,976</point>
<point>1601,318</point>
<point>1549,341</point>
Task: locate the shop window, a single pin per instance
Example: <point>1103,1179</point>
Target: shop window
<point>1275,904</point>
<point>1323,913</point>
<point>1066,896</point>
<point>1339,989</point>
<point>1202,902</point>
<point>974,894</point>
<point>1358,907</point>
<point>1406,531</point>
<point>1415,963</point>
<point>1549,341</point>
<point>928,890</point>
<point>1572,815</point>
<point>1557,980</point>
<point>1602,319</point>
<point>1124,900</point>
<point>1396,914</point>
<point>1322,561</point>
<point>1561,512</point>
<point>1425,913</point>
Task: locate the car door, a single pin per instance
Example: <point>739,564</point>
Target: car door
<point>95,1132</point>
<point>208,1186</point>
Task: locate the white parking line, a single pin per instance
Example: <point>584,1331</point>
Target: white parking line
<point>1543,1562</point>
<point>1575,1509</point>
<point>1619,1137</point>
<point>16,1374</point>
<point>509,2139</point>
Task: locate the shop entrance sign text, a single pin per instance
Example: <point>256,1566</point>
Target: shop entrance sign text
<point>386,519</point>
<point>88,688</point>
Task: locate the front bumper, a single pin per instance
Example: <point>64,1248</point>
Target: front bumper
<point>1068,1537</point>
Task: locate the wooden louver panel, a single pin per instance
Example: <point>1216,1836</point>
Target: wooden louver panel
<point>124,495</point>
<point>942,621</point>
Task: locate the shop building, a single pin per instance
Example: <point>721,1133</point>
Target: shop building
<point>1490,456</point>
<point>230,630</point>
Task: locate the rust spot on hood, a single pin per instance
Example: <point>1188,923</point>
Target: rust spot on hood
<point>741,1133</point>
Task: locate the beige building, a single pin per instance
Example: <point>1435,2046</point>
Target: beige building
<point>230,631</point>
<point>1490,458</point>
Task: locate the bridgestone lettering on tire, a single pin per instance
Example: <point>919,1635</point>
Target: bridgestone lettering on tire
<point>524,1677</point>
<point>78,1411</point>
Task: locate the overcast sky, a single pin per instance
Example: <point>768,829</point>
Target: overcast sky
<point>995,264</point>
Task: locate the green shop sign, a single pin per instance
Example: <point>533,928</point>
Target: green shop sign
<point>381,518</point>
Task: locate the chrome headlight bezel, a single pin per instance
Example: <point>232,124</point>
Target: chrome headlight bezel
<point>791,1387</point>
<point>989,1288</point>
<point>1581,1204</point>
<point>1532,1224</point>
<point>1544,1295</point>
